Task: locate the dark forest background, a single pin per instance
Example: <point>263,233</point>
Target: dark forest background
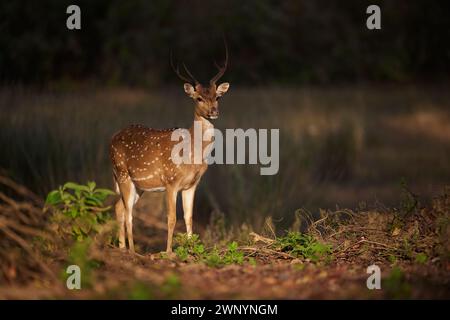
<point>364,148</point>
<point>361,112</point>
<point>292,41</point>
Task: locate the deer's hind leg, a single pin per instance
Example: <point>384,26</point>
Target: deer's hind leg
<point>129,198</point>
<point>120,216</point>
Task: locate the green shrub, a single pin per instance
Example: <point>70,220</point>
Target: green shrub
<point>188,246</point>
<point>79,255</point>
<point>233,254</point>
<point>302,246</point>
<point>396,285</point>
<point>78,210</point>
<point>421,258</point>
<point>140,291</point>
<point>192,248</point>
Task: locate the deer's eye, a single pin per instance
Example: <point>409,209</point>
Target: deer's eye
<point>199,99</point>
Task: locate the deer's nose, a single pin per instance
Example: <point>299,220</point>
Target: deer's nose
<point>214,113</point>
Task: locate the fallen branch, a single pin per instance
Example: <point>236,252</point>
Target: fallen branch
<point>268,252</point>
<point>21,190</point>
<point>13,236</point>
<point>258,238</point>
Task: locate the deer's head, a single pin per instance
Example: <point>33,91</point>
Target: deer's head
<point>206,97</point>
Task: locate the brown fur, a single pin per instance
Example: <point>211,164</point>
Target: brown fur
<point>142,161</point>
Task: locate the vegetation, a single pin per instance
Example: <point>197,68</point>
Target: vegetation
<point>80,254</point>
<point>79,215</point>
<point>79,208</point>
<point>396,285</point>
<point>383,145</point>
<point>412,250</point>
<point>191,248</point>
<point>363,167</point>
<point>302,246</point>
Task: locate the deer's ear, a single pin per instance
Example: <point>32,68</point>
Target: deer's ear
<point>189,89</point>
<point>222,88</point>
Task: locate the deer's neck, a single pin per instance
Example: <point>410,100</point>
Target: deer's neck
<point>202,133</point>
<point>205,124</point>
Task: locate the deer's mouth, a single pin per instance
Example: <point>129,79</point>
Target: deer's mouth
<point>213,116</point>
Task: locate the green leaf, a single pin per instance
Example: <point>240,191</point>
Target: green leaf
<point>233,246</point>
<point>199,249</point>
<point>65,196</point>
<point>76,230</point>
<point>421,258</point>
<point>93,201</point>
<point>102,194</point>
<point>53,198</point>
<point>182,253</point>
<point>75,186</point>
<point>91,185</point>
<point>214,259</point>
<point>74,212</point>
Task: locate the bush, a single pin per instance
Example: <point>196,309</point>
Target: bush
<point>302,246</point>
<point>191,248</point>
<point>78,210</point>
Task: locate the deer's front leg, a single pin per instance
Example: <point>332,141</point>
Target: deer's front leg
<point>188,206</point>
<point>171,203</point>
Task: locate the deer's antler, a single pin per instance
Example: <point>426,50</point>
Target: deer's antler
<point>223,68</point>
<point>191,78</point>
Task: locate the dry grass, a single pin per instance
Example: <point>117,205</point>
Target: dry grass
<point>21,221</point>
<point>339,146</point>
<point>390,238</point>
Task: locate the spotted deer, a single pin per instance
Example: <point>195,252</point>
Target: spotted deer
<point>141,159</point>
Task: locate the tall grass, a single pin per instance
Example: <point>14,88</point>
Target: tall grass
<point>338,146</point>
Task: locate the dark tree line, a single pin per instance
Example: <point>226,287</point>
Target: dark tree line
<point>292,41</point>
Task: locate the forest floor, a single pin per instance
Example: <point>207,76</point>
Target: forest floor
<point>131,276</point>
<point>327,260</point>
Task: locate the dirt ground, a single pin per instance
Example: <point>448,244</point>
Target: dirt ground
<point>133,276</point>
<point>409,245</point>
